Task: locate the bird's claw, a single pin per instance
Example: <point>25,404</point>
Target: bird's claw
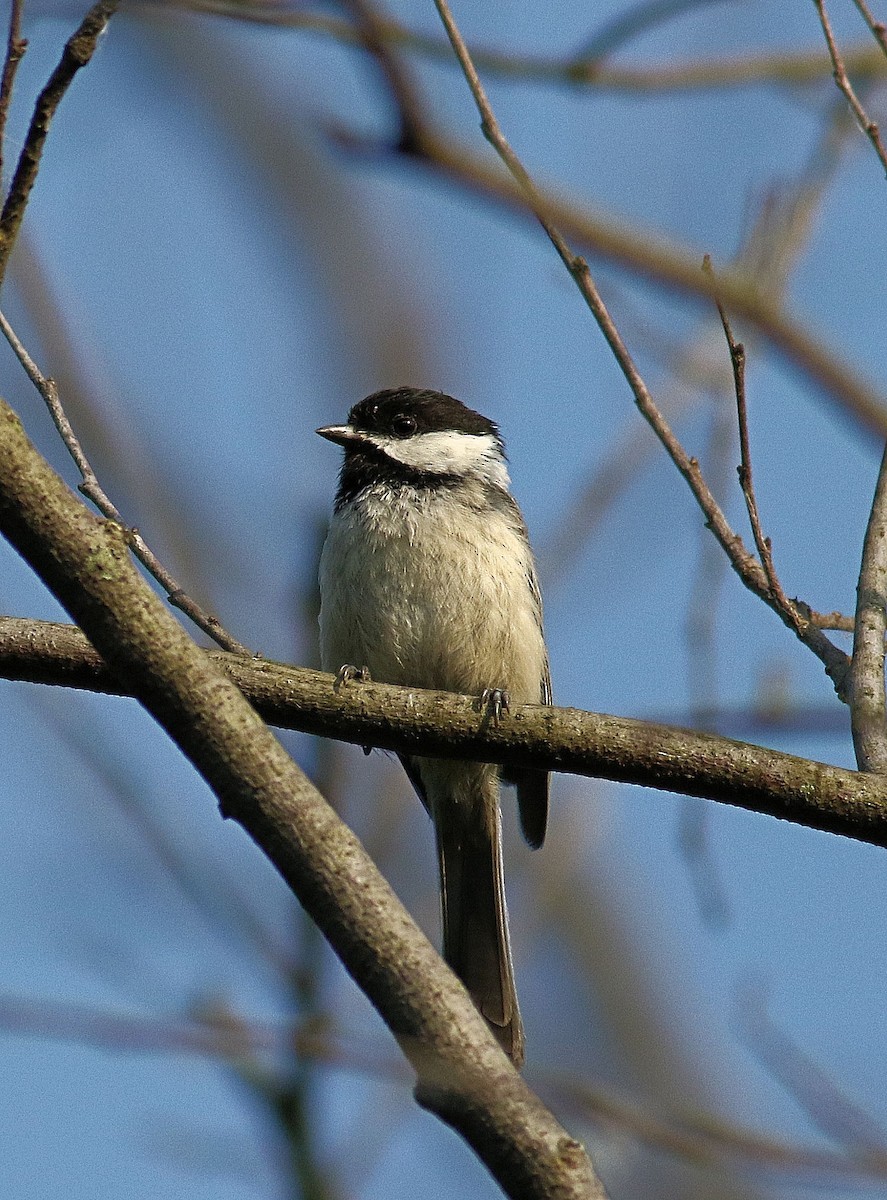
<point>494,702</point>
<point>346,673</point>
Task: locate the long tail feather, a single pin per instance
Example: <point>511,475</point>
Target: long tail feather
<point>475,919</point>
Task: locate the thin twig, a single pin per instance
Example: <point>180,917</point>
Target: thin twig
<point>744,470</point>
<point>745,564</point>
<point>878,28</point>
<point>868,708</point>
<point>15,49</point>
<point>92,489</point>
<point>866,124</point>
<point>78,50</point>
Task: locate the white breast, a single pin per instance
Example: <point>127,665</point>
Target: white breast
<point>430,590</point>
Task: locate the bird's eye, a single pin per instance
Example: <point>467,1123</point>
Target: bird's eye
<point>403,426</point>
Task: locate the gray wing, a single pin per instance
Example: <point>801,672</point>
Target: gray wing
<point>533,786</point>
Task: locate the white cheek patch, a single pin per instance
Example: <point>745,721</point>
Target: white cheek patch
<point>448,452</point>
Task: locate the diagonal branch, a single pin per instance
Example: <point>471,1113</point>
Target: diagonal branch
<point>650,257</point>
<point>879,30</point>
<point>78,50</point>
<point>842,81</point>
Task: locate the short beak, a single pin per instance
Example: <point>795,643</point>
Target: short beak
<point>342,435</point>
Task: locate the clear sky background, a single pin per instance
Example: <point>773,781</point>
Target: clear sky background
<point>211,278</point>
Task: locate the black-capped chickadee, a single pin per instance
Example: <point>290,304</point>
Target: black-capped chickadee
<point>427,580</point>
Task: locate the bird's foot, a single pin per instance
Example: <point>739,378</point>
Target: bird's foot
<point>494,702</point>
<point>348,673</point>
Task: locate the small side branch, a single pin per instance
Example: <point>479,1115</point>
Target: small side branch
<point>842,80</point>
<point>92,489</point>
<point>868,710</point>
<point>778,597</point>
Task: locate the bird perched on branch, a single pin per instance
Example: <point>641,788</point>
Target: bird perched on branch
<point>427,580</point>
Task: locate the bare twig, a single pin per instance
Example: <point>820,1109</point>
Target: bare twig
<point>866,124</point>
<point>744,470</point>
<point>92,489</point>
<point>78,50</point>
<point>649,257</point>
<point>878,28</point>
<point>15,49</point>
<point>747,567</point>
<point>868,709</point>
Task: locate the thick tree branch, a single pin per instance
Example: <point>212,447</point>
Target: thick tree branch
<point>463,1076</point>
<point>438,723</point>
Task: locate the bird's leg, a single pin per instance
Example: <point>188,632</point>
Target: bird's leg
<point>494,702</point>
<point>346,674</point>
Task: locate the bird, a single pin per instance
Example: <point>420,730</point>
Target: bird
<point>427,580</point>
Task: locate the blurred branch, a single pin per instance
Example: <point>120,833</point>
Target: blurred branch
<point>834,1113</point>
<point>789,68</point>
<point>622,28</point>
<point>235,1040</point>
<point>207,886</point>
<point>779,231</point>
<point>92,489</point>
<point>440,724</point>
<point>463,1076</point>
<point>406,100</point>
<point>78,51</point>
<point>650,257</point>
<point>839,72</point>
<point>868,707</point>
